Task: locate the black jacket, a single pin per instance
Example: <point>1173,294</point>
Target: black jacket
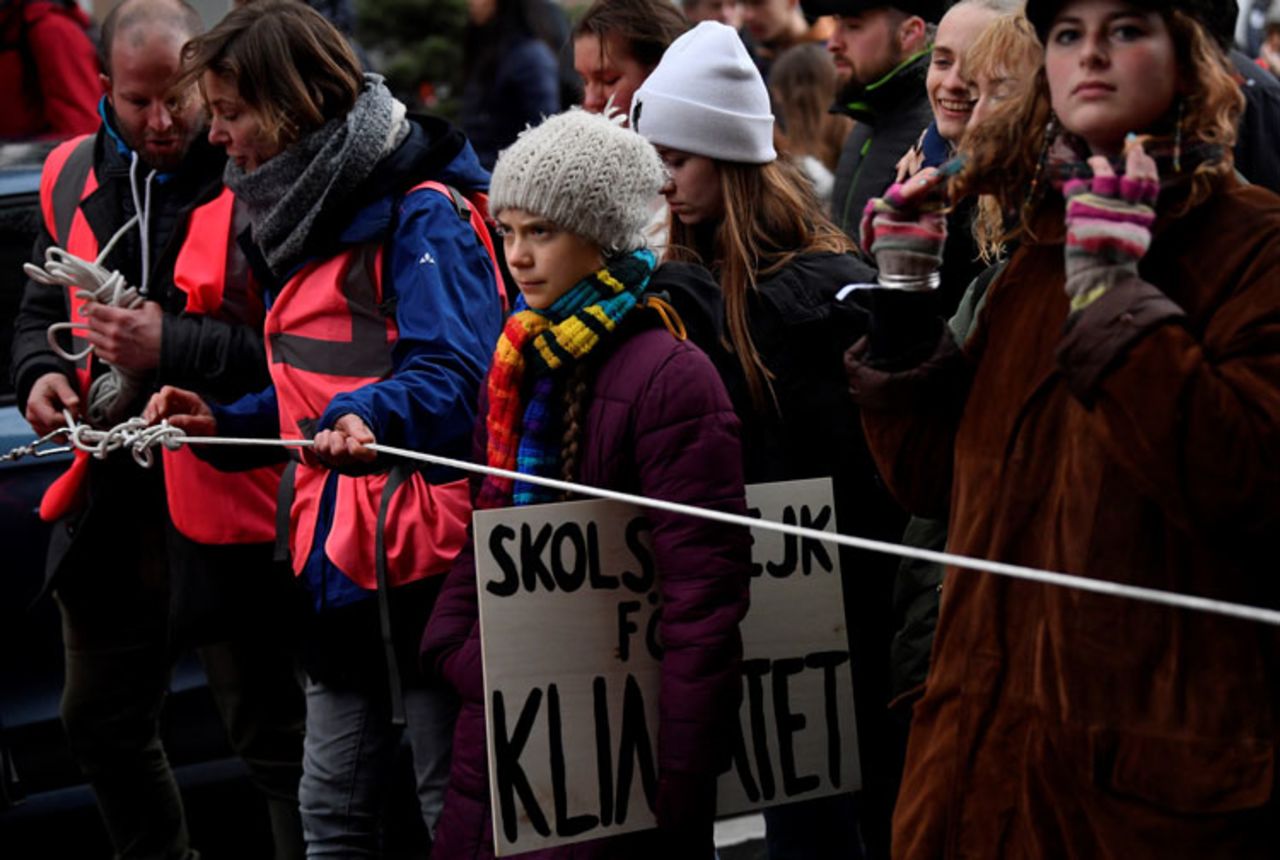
<point>1257,156</point>
<point>917,590</point>
<point>889,116</point>
<point>801,332</point>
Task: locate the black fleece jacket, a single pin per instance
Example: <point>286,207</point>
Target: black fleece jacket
<point>889,116</point>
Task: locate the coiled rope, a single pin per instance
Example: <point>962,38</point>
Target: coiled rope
<point>115,391</point>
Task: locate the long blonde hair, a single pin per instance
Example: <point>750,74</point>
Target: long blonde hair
<point>1005,153</point>
<point>1007,48</point>
<point>770,218</point>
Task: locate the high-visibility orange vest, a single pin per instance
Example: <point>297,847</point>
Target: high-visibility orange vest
<point>327,334</point>
<point>207,505</point>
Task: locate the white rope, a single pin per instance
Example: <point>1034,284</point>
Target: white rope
<point>112,393</point>
<point>92,282</point>
<point>140,439</point>
<point>111,243</point>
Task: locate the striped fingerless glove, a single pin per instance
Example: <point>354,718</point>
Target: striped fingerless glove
<point>906,239</point>
<point>1109,222</point>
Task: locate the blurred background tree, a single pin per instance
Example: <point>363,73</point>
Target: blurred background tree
<point>417,46</point>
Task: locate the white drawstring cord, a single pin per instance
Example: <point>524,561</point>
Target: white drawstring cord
<point>113,392</point>
<point>141,439</point>
<point>111,243</point>
<point>145,226</point>
<point>142,210</point>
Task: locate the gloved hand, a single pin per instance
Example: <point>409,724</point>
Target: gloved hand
<point>1109,221</point>
<point>905,231</point>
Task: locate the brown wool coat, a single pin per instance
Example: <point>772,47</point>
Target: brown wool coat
<point>1141,444</point>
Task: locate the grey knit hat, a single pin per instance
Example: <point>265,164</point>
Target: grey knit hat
<point>585,173</point>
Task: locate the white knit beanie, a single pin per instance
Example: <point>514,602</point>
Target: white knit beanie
<point>707,98</point>
<point>586,174</point>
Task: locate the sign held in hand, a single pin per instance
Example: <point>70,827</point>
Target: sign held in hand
<point>570,629</point>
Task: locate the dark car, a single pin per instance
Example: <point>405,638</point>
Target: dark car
<point>30,645</point>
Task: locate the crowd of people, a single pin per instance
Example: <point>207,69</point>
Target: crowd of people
<point>1014,294</point>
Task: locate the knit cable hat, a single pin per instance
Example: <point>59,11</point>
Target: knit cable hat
<point>585,173</point>
<point>707,98</point>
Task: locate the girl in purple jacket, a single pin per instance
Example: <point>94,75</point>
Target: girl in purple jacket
<point>587,385</point>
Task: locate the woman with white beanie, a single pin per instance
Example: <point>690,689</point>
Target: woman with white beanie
<point>590,383</point>
<point>752,219</point>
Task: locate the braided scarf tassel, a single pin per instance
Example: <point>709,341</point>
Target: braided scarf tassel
<point>539,449</point>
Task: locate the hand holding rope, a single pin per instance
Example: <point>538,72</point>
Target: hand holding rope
<point>113,393</point>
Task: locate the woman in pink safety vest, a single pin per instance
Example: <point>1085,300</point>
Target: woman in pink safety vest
<point>367,227</point>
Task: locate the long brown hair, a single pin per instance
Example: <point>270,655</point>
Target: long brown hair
<point>289,64</point>
<point>803,83</point>
<point>770,218</point>
<point>1005,153</point>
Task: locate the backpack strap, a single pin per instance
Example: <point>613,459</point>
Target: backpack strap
<point>63,184</point>
<point>474,209</point>
<point>397,476</point>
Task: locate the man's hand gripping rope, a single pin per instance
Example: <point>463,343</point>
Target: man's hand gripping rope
<point>135,434</point>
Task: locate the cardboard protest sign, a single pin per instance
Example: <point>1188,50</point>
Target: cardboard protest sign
<point>569,615</point>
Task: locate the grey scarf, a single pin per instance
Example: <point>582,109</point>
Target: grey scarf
<point>286,194</point>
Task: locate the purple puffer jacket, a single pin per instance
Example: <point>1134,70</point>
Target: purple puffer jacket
<point>660,424</point>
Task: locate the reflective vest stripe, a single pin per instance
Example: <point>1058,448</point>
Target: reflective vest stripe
<point>206,505</point>
<point>368,351</point>
<point>68,178</point>
<point>62,184</point>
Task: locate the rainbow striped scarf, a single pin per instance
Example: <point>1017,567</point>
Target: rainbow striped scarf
<point>524,420</point>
